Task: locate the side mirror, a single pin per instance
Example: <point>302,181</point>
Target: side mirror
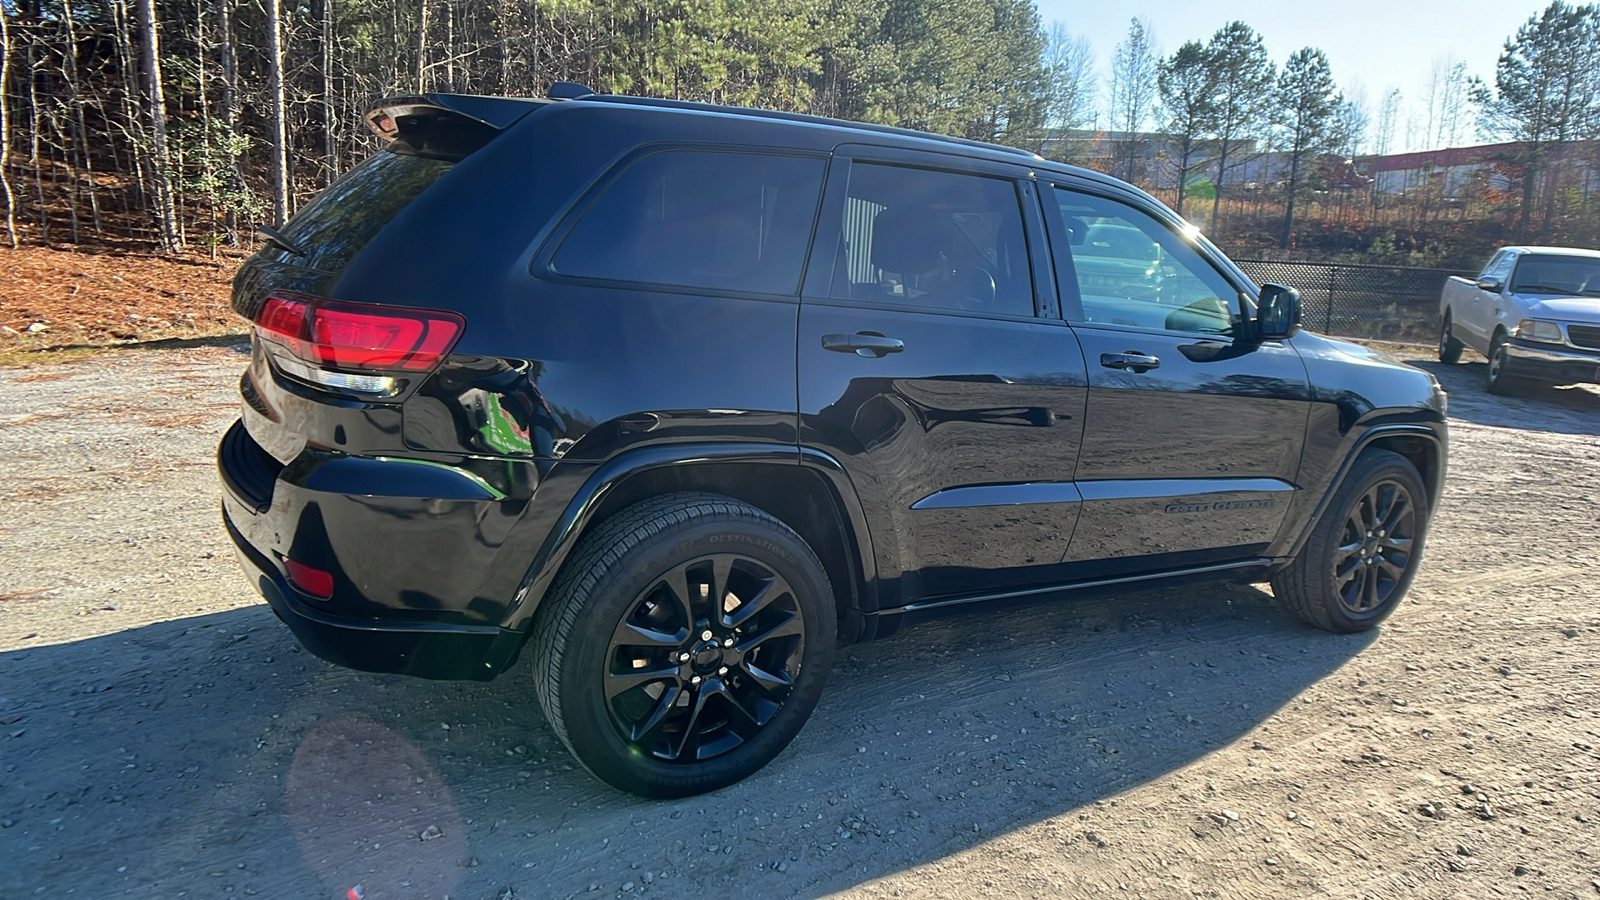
<point>1492,285</point>
<point>1277,313</point>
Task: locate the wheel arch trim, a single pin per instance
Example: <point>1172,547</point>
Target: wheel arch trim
<point>580,514</point>
<point>1434,486</point>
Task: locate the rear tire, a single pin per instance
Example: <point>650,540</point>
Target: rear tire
<point>1363,553</point>
<point>1449,348</point>
<point>685,643</point>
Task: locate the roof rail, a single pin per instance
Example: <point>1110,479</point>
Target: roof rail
<point>808,119</point>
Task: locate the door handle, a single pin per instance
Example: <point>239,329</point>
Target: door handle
<point>1131,359</point>
<point>863,343</point>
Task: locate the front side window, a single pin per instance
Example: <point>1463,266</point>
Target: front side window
<point>932,240</point>
<point>1498,265</point>
<point>702,219</point>
<point>1135,271</point>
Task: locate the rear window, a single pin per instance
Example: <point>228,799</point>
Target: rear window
<point>727,221</point>
<point>351,212</point>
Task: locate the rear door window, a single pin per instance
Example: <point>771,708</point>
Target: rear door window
<point>932,240</point>
<point>726,221</point>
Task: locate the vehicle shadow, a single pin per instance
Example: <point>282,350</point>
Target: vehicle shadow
<point>1537,407</point>
<point>210,754</point>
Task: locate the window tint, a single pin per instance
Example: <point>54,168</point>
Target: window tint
<point>705,219</point>
<point>344,218</point>
<point>935,240</point>
<point>1134,270</point>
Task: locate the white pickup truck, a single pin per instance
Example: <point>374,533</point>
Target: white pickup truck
<point>1533,311</point>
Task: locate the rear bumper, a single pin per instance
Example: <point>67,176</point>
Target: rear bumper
<point>1552,363</point>
<point>457,653</point>
<point>404,598</point>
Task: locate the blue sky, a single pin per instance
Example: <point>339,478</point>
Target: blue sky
<point>1378,44</point>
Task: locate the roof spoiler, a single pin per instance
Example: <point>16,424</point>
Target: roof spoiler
<point>444,126</point>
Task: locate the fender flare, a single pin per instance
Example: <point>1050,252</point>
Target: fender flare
<point>1435,490</point>
<point>580,513</point>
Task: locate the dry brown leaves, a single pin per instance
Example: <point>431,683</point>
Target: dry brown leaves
<point>110,296</point>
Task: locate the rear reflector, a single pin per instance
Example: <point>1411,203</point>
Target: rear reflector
<point>315,582</point>
<point>358,337</point>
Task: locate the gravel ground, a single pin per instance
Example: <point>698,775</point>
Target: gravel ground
<point>162,736</point>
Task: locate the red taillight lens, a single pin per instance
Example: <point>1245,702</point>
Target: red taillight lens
<point>315,582</point>
<point>359,336</point>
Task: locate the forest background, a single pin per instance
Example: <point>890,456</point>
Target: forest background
<point>175,128</point>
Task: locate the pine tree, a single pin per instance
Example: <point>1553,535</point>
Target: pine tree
<point>1244,77</point>
<point>1188,86</point>
<point>1307,102</point>
<point>1546,90</point>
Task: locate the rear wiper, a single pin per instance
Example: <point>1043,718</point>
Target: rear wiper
<point>281,240</point>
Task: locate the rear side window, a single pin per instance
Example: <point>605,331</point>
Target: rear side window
<point>935,240</point>
<point>702,219</point>
<point>351,212</point>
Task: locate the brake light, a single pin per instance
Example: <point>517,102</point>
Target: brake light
<point>358,337</point>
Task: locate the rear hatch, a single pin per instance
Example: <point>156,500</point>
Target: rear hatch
<point>328,368</point>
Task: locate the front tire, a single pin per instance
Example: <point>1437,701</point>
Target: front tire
<point>686,642</point>
<point>1449,348</point>
<point>1499,380</point>
<point>1363,553</point>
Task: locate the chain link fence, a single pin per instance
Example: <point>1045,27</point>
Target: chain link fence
<point>1389,303</point>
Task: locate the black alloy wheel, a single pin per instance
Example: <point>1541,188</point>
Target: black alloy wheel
<point>684,645</point>
<point>1375,547</point>
<point>1362,554</point>
<point>705,659</point>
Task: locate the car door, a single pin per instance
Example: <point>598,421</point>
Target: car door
<point>1484,305</point>
<point>1193,431</point>
<point>925,369</point>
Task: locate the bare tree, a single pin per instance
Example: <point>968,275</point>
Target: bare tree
<point>5,131</point>
<point>1388,121</point>
<point>422,45</point>
<point>229,58</point>
<point>330,133</point>
<point>1133,92</point>
<point>1069,61</point>
<point>277,113</point>
<point>35,131</point>
<point>1446,98</point>
<point>156,110</point>
<point>80,129</point>
<point>1350,122</point>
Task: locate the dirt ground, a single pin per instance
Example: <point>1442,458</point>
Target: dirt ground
<point>162,736</point>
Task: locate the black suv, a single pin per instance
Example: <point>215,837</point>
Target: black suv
<point>678,396</point>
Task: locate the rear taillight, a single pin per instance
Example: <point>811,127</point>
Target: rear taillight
<point>355,347</point>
